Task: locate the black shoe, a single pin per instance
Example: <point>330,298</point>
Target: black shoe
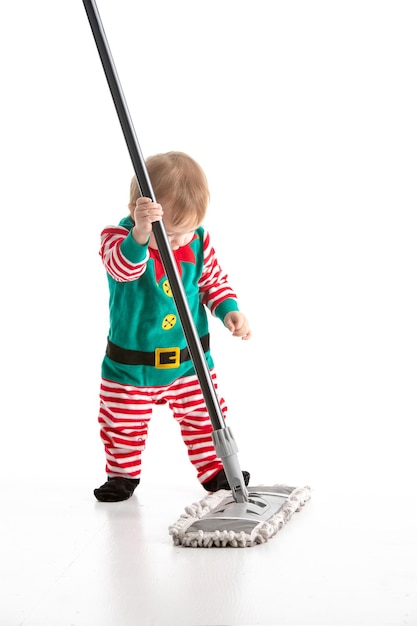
<point>116,489</point>
<point>220,481</point>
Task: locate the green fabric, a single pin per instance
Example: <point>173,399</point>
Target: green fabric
<point>143,314</point>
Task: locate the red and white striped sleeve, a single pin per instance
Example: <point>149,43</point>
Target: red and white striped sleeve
<point>117,264</point>
<point>214,286</point>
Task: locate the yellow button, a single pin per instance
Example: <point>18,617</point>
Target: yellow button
<point>167,288</point>
<point>169,321</point>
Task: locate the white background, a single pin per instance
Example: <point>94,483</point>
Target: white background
<point>303,115</point>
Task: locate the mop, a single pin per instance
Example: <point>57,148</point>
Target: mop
<point>242,516</point>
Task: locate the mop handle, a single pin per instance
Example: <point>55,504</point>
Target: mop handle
<point>193,341</point>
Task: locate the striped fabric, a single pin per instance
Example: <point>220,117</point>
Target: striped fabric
<point>117,265</point>
<point>125,412</point>
<point>213,284</point>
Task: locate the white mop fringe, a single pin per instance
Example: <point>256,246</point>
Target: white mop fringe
<point>221,539</point>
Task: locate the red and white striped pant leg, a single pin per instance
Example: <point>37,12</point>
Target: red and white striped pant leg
<point>189,408</point>
<point>124,417</point>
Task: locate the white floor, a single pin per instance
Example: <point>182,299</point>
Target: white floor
<point>66,560</point>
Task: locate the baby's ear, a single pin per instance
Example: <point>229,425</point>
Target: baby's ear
<point>131,207</point>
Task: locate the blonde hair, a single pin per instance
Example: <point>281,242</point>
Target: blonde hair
<point>179,179</point>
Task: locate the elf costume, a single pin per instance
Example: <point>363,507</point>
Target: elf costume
<point>147,360</point>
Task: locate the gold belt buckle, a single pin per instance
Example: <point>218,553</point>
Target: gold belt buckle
<point>172,361</point>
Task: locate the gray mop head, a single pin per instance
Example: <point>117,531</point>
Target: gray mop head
<point>219,521</point>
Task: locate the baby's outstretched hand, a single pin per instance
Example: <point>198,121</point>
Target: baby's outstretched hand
<point>238,325</point>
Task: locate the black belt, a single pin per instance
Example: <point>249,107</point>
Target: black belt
<point>161,358</point>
